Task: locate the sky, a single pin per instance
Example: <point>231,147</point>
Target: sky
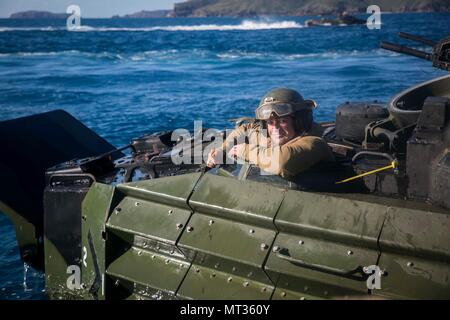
<point>89,8</point>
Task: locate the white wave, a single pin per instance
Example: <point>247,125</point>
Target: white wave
<point>31,54</point>
<point>176,55</point>
<point>59,53</point>
<point>81,28</point>
<point>7,29</point>
<point>245,25</point>
<point>156,54</point>
<point>229,55</point>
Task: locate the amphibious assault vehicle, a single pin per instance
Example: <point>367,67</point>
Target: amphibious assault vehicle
<point>109,225</point>
<point>343,19</point>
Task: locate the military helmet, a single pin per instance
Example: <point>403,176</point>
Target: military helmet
<point>282,102</point>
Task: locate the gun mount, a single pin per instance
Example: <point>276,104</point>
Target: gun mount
<point>440,55</point>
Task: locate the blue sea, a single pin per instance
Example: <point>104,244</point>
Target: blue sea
<point>123,78</point>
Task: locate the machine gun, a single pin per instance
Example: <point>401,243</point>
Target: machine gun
<point>440,55</point>
<point>409,134</point>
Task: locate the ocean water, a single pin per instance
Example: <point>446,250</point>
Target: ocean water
<point>123,78</point>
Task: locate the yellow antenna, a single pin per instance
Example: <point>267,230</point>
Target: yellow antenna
<point>393,165</point>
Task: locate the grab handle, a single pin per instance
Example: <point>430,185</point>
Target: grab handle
<point>318,267</point>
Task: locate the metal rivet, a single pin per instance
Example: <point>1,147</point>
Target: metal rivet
<point>382,272</point>
<point>179,226</point>
<point>301,242</point>
<point>234,269</point>
<point>181,265</point>
<point>283,294</point>
<point>410,264</point>
<point>264,246</point>
<point>217,265</point>
<point>139,253</point>
<point>197,270</point>
<point>167,261</point>
<point>211,222</point>
<point>251,231</point>
<point>172,251</point>
<point>349,252</point>
<point>157,248</point>
<point>276,249</point>
<point>189,229</point>
<point>245,284</point>
<point>137,204</point>
<point>264,289</point>
<point>230,279</point>
<point>84,218</point>
<point>250,274</point>
<point>213,275</point>
<point>144,244</point>
<point>117,210</point>
<point>153,256</point>
<point>302,298</point>
<point>170,211</point>
<point>117,283</point>
<point>83,286</point>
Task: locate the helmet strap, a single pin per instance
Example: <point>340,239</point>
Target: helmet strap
<point>303,122</point>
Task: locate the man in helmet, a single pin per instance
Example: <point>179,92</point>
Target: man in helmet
<point>293,141</point>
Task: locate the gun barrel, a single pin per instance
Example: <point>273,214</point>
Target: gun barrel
<point>417,39</point>
<point>402,49</point>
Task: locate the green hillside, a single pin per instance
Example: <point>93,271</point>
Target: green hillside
<point>201,8</point>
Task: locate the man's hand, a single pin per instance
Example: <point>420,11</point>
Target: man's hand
<point>237,151</point>
<point>214,157</point>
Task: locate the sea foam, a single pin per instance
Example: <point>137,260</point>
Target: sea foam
<point>245,25</point>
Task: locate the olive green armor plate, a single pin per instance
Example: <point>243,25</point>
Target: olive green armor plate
<point>202,236</point>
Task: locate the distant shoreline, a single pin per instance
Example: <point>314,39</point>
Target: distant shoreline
<point>161,14</point>
<point>31,14</point>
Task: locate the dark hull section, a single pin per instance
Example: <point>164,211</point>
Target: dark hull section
<point>30,146</point>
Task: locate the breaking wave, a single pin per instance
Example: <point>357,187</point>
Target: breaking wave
<point>245,25</point>
<point>7,29</point>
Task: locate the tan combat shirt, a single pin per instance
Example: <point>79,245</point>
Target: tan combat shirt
<point>288,160</point>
